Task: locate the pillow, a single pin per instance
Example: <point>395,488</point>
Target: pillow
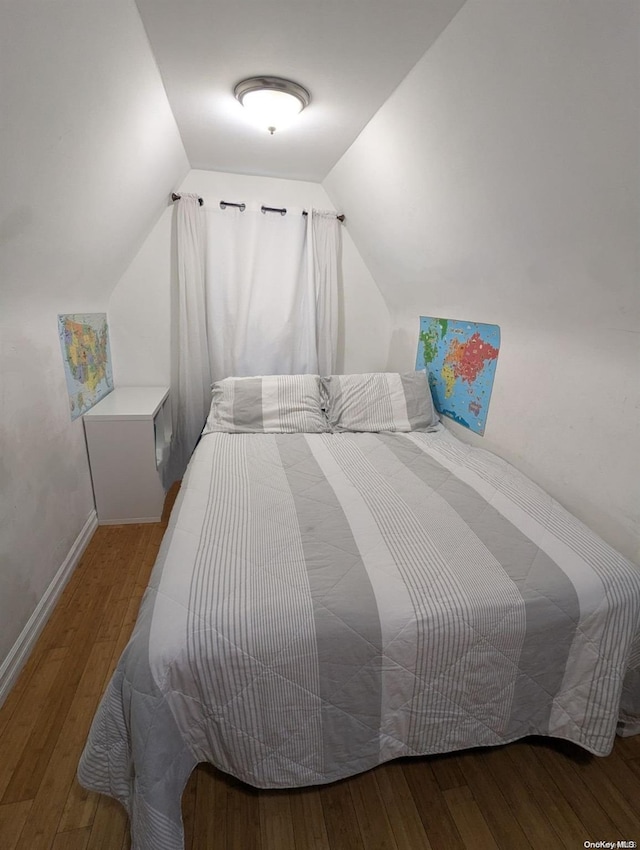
<point>268,404</point>
<point>379,401</point>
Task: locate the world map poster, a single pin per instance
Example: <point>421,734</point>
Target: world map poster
<point>84,340</point>
<point>460,359</point>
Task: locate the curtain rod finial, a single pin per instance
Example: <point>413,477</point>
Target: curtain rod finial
<point>175,197</point>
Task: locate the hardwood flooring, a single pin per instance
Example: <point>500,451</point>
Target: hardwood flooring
<point>534,794</point>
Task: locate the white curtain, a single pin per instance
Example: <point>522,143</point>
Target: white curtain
<point>264,303</point>
<point>323,250</point>
<point>271,292</point>
<point>190,364</point>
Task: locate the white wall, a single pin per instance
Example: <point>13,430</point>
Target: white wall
<point>139,318</point>
<point>500,183</point>
<point>89,151</point>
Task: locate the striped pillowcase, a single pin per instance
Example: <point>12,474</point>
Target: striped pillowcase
<point>379,401</point>
<point>269,404</point>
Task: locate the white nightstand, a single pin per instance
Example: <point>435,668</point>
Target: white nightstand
<point>128,434</point>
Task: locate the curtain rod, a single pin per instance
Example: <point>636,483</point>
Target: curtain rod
<point>283,211</point>
<point>340,217</point>
<point>242,207</point>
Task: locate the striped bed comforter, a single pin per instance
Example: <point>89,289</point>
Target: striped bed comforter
<point>322,603</point>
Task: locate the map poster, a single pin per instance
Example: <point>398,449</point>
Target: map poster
<point>84,340</point>
<point>460,359</point>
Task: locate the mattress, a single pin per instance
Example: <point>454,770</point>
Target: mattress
<point>322,603</point>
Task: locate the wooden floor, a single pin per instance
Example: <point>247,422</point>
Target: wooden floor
<point>526,795</point>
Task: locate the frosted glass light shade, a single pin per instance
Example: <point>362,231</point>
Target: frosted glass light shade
<point>272,102</point>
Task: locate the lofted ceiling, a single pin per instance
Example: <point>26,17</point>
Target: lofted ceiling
<point>350,54</point>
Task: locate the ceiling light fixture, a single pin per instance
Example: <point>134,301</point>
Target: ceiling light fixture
<point>272,101</point>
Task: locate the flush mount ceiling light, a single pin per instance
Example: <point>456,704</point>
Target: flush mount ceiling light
<point>272,101</point>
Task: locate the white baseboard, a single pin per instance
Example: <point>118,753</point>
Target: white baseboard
<point>20,651</point>
<point>141,520</point>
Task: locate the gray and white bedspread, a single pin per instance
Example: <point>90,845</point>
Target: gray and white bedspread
<point>325,602</point>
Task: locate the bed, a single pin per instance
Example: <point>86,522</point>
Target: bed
<point>343,582</point>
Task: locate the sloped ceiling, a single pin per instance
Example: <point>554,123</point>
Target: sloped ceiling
<point>90,148</point>
<point>350,54</point>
